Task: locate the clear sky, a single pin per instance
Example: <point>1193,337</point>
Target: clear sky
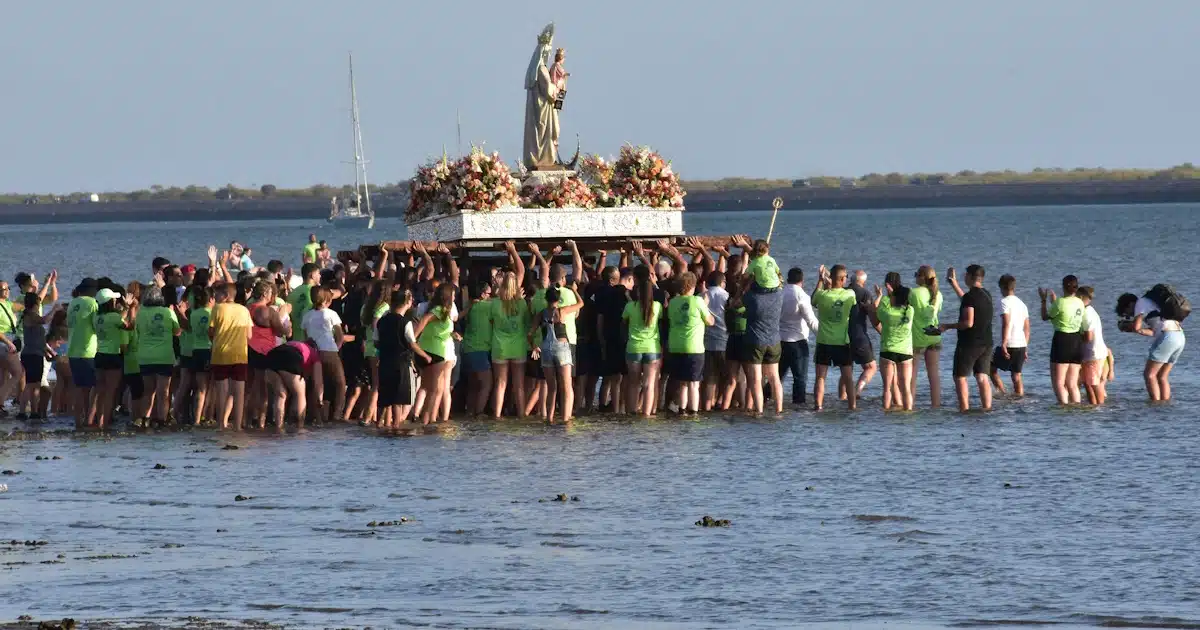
<point>122,94</point>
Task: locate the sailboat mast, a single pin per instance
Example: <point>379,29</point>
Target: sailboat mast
<point>360,163</point>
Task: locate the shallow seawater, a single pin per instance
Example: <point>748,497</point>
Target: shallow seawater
<point>1026,514</point>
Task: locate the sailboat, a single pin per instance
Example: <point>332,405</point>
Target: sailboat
<point>354,210</point>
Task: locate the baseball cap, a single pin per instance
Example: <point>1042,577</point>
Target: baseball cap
<point>103,296</point>
<point>188,269</point>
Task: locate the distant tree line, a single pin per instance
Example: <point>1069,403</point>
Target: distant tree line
<point>230,192</point>
<point>1185,171</point>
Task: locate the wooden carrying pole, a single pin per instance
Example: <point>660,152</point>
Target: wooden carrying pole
<point>777,203</point>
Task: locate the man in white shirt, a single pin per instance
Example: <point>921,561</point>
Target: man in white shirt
<point>795,324</point>
<point>1010,355</point>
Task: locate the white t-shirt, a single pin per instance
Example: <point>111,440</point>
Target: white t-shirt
<point>1018,314</point>
<point>1095,350</point>
<point>318,325</point>
<point>1146,306</point>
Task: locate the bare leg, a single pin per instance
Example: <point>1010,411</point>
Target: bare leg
<point>819,387</point>
<point>887,372</point>
<point>238,394</point>
<point>447,392</point>
<point>851,391</point>
<point>201,396</point>
<point>500,388</point>
<point>1073,382</point>
<point>903,378</point>
<point>633,385</point>
<point>552,388</point>
<point>223,402</point>
<point>985,391</point>
<point>754,374</point>
<point>964,394</point>
<point>1164,381</point>
<point>567,392</point>
<point>1018,383</point>
<point>651,401</point>
<point>279,395</point>
<point>864,379</point>
<point>162,398</point>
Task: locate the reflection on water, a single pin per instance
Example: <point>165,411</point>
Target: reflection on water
<point>1029,513</point>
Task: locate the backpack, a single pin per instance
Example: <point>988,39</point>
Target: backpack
<point>1171,304</point>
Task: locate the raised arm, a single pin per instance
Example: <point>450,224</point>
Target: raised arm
<point>514,260</point>
<point>574,308</point>
<point>953,278</point>
<point>1046,294</point>
<point>577,269</point>
<point>451,264</point>
<point>426,261</point>
<point>381,268</point>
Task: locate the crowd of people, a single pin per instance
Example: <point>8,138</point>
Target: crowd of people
<point>409,337</point>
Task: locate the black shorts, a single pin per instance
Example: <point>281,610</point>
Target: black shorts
<point>764,355</point>
<point>716,366</point>
<point>109,362</point>
<point>397,386</point>
<point>735,349</point>
<point>533,368</point>
<point>835,356</point>
<point>1066,348</point>
<point>34,366</point>
<point>686,367</point>
<point>257,361</point>
<point>1015,363</point>
<point>589,358</point>
<point>158,369</point>
<point>613,360</point>
<point>137,387</point>
<point>354,364</point>
<point>286,358</point>
<point>895,357</point>
<point>201,361</point>
<point>970,360</point>
<point>863,354</point>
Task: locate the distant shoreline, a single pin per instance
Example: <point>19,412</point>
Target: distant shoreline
<point>864,198</point>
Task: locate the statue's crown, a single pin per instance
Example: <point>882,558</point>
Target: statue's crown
<point>547,34</point>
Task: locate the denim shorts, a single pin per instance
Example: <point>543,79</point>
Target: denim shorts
<point>1167,347</point>
<point>556,354</point>
<point>475,362</point>
<point>645,358</point>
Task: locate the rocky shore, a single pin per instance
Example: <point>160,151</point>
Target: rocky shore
<point>849,198</point>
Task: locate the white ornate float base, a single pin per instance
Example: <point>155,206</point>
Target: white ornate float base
<point>528,223</point>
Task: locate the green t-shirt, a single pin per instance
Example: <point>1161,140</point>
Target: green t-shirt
<point>765,272</point>
<point>200,319</point>
<point>643,336</point>
<point>926,309</point>
<point>108,333</point>
<point>310,252</point>
<point>737,323</point>
<point>301,300</point>
<point>510,341</point>
<point>477,337</point>
<point>688,315</point>
<point>566,297</point>
<point>129,338</point>
<point>9,321</point>
<point>156,328</point>
<point>896,322</point>
<point>1066,314</point>
<point>833,313</point>
<point>381,309</point>
<point>436,336</point>
<point>81,321</point>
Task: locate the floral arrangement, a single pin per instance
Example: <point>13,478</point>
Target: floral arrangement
<point>482,182</point>
<point>642,176</point>
<point>425,188</point>
<point>478,181</point>
<point>596,171</point>
<point>567,192</point>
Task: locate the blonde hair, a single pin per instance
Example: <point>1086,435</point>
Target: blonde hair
<point>508,293</point>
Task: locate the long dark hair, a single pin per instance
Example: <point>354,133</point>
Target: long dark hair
<point>443,298</point>
<point>380,293</point>
<point>644,292</point>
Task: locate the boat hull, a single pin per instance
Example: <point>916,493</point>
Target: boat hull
<point>364,221</point>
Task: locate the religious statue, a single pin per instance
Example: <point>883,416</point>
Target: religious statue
<point>541,117</point>
<point>558,75</point>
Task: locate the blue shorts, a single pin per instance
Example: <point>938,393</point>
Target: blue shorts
<point>83,372</point>
<point>475,362</point>
<point>645,358</point>
<point>1167,347</point>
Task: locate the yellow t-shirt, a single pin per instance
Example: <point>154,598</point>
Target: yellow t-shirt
<point>229,324</point>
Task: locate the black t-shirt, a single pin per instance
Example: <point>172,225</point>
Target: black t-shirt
<point>610,302</point>
<point>394,352</point>
<point>860,318</point>
<point>980,334</point>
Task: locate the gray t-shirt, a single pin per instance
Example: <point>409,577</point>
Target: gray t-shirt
<point>716,336</point>
<point>35,340</point>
